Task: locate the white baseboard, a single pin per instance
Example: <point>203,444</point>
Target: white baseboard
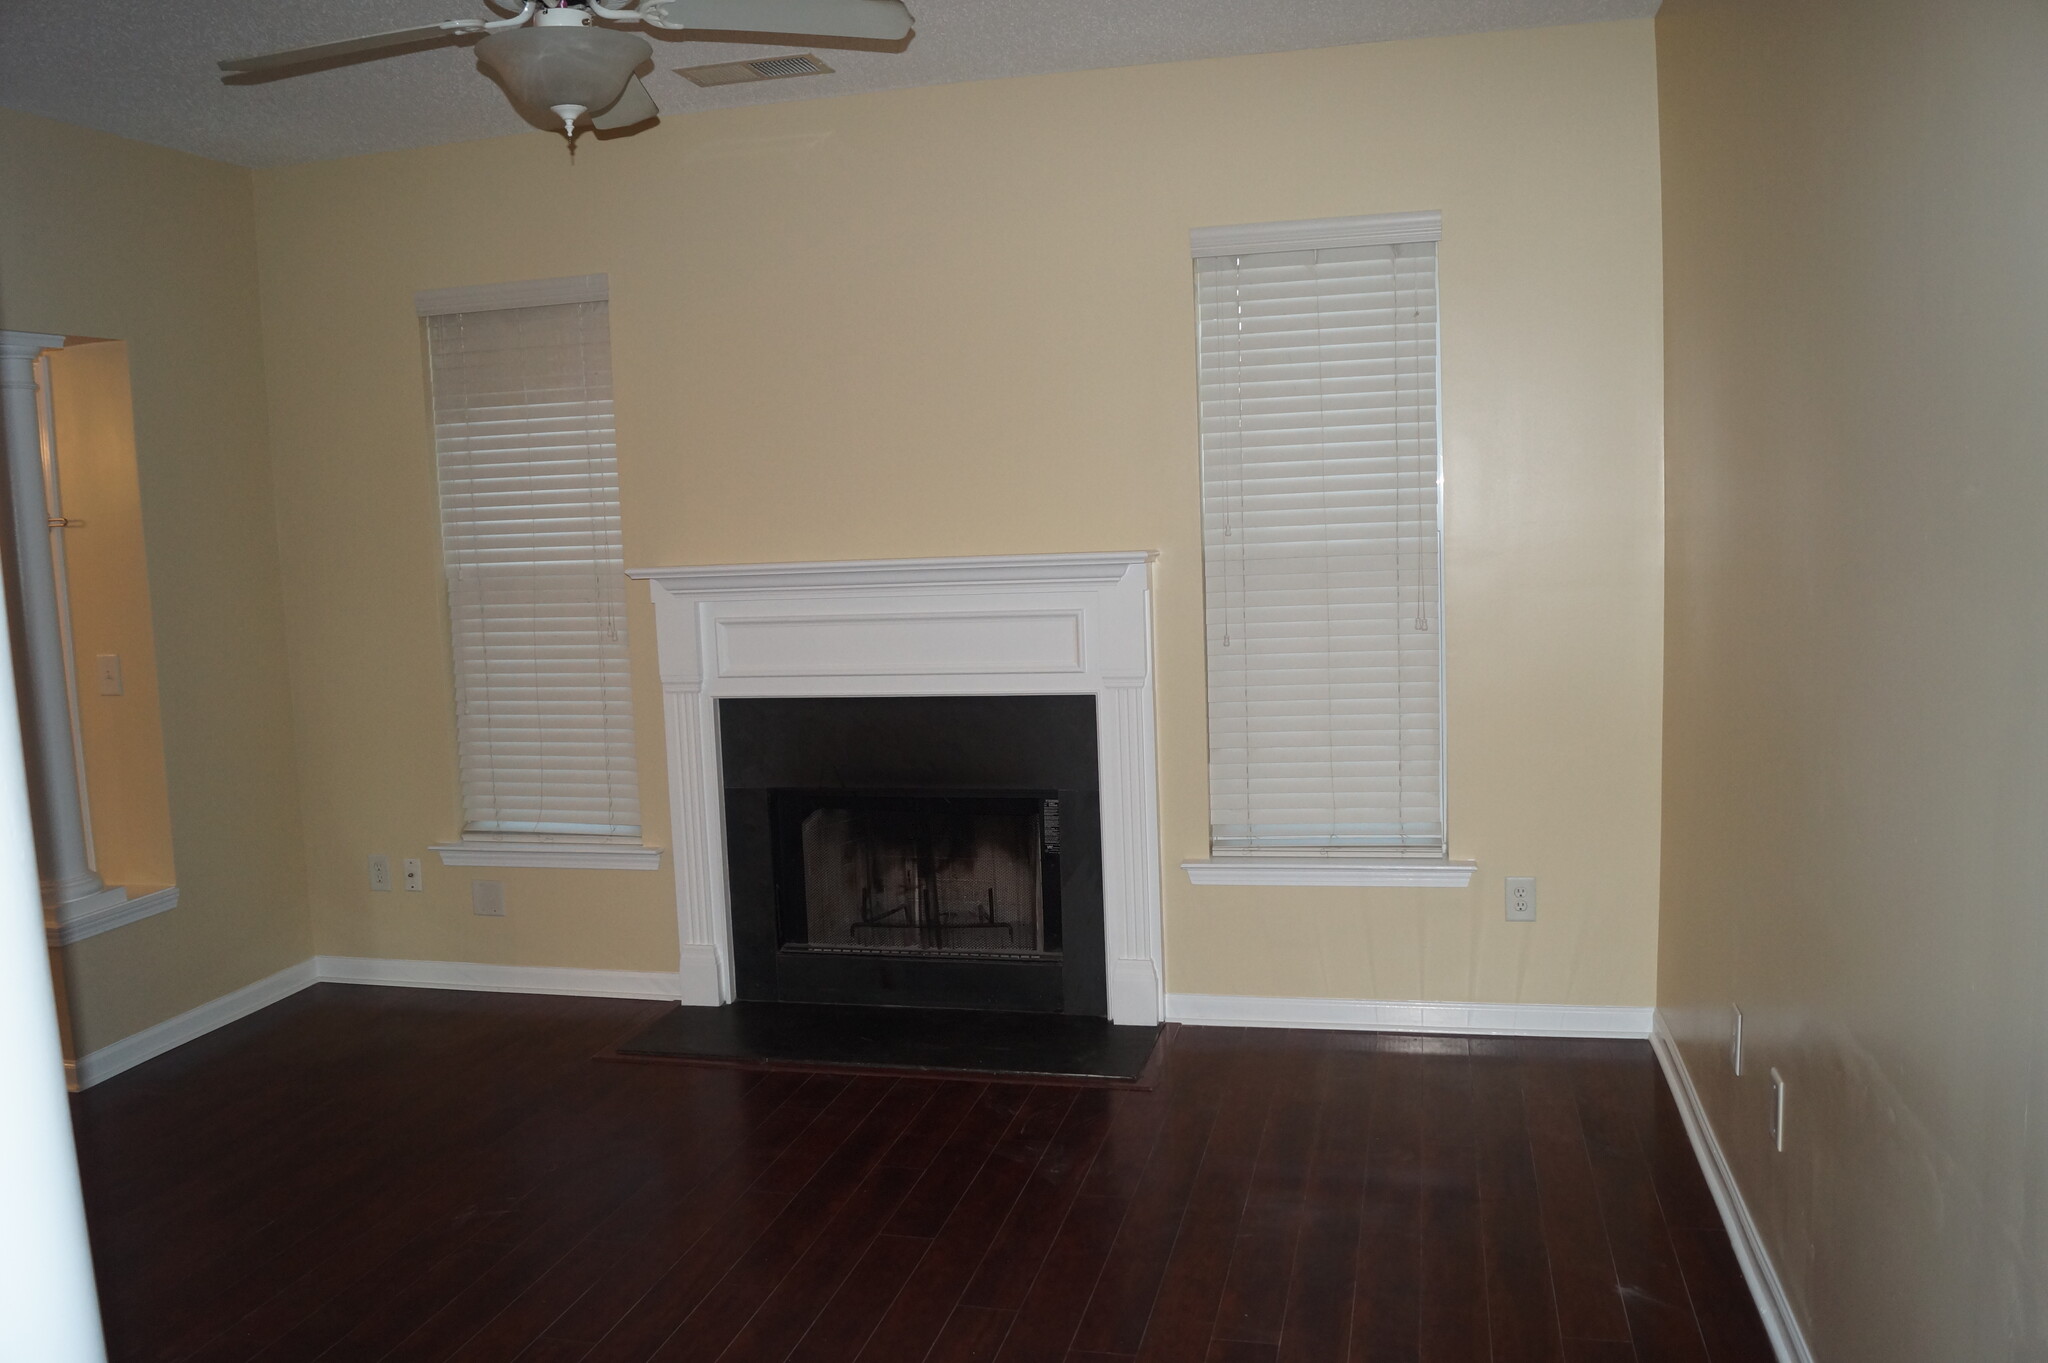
<point>1368,1015</point>
<point>150,1042</point>
<point>1757,1269</point>
<point>1219,1010</point>
<point>130,1051</point>
<point>700,981</point>
<point>500,979</point>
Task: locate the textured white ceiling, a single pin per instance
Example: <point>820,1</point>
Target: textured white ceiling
<point>145,68</point>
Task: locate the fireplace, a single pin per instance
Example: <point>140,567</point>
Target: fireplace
<point>954,875</point>
<point>927,851</point>
<point>1074,628</point>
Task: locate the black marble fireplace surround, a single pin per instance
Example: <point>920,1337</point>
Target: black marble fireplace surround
<point>920,851</point>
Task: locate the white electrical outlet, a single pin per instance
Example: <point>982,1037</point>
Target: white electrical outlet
<point>1777,1111</point>
<point>414,880</point>
<point>1735,1043</point>
<point>108,665</point>
<point>380,872</point>
<point>487,897</point>
<point>1521,899</point>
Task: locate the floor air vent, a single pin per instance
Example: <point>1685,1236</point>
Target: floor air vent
<point>762,68</point>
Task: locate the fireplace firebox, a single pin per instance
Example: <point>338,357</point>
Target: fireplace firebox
<point>936,851</point>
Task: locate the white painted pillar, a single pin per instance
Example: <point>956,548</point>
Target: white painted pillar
<point>49,1310</point>
<point>66,863</point>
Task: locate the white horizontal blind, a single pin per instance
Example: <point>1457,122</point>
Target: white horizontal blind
<point>529,476</point>
<point>1321,549</point>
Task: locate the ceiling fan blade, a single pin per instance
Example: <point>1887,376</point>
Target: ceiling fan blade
<point>886,20</point>
<point>349,47</point>
<point>634,106</point>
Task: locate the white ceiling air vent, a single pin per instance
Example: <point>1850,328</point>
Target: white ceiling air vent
<point>761,68</point>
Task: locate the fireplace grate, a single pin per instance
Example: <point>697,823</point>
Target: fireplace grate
<point>938,877</point>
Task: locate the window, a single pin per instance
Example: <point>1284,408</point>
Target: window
<point>523,442</point>
<point>1321,537</point>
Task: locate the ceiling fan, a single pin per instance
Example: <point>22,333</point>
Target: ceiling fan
<point>550,55</point>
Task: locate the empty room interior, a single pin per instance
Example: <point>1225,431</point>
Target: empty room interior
<point>1332,681</point>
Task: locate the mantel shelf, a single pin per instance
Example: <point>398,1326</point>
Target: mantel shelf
<point>1018,570</point>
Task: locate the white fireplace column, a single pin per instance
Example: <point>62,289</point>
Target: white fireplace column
<point>61,847</point>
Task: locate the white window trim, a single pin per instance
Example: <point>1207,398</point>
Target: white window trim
<point>572,854</point>
<point>525,293</point>
<point>1416,872</point>
<point>590,852</point>
<point>1317,234</point>
<point>114,907</point>
<point>1341,868</point>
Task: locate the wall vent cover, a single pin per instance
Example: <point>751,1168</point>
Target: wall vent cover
<point>761,68</point>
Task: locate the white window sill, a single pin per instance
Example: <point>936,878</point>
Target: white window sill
<point>114,907</point>
<point>589,856</point>
<point>1415,871</point>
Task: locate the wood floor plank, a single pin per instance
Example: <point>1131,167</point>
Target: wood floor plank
<point>871,1116</point>
<point>1124,1293</point>
<point>1521,1304</point>
<point>1455,1325</point>
<point>972,1334</point>
<point>1006,1271</point>
<point>1387,1289</point>
<point>920,1310</point>
<point>376,1221</point>
<point>846,1322</point>
<point>1052,1309</point>
<point>925,1137</point>
<point>1583,1280</point>
<point>1599,1351</point>
<point>566,1218</point>
<point>785,1316</point>
<point>1660,1314</point>
<point>1681,1187</point>
<point>1183,1318</point>
<point>954,1165</point>
<point>366,1175</point>
<point>724,1236</point>
<point>1242,1351</point>
<point>720,1206</point>
<point>553,1351</point>
<point>1327,1264</point>
<point>1726,1313</point>
<point>1254,1298</point>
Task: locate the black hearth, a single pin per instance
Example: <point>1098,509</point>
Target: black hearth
<point>937,852</point>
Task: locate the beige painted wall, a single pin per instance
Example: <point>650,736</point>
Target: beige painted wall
<point>108,238</point>
<point>107,575</point>
<point>958,320</point>
<point>1855,728</point>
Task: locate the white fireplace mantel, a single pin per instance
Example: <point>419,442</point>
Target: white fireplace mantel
<point>1034,624</point>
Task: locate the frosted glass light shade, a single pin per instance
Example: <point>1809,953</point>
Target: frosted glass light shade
<point>546,68</point>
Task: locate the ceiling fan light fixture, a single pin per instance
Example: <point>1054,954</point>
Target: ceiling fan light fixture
<point>567,70</point>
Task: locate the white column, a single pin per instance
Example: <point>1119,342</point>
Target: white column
<point>67,872</point>
<point>49,1310</point>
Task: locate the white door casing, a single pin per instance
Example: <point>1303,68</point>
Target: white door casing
<point>1036,624</point>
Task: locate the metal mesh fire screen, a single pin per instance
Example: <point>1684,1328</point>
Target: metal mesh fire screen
<point>927,879</point>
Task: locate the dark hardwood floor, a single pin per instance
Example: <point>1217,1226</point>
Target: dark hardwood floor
<point>363,1174</point>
